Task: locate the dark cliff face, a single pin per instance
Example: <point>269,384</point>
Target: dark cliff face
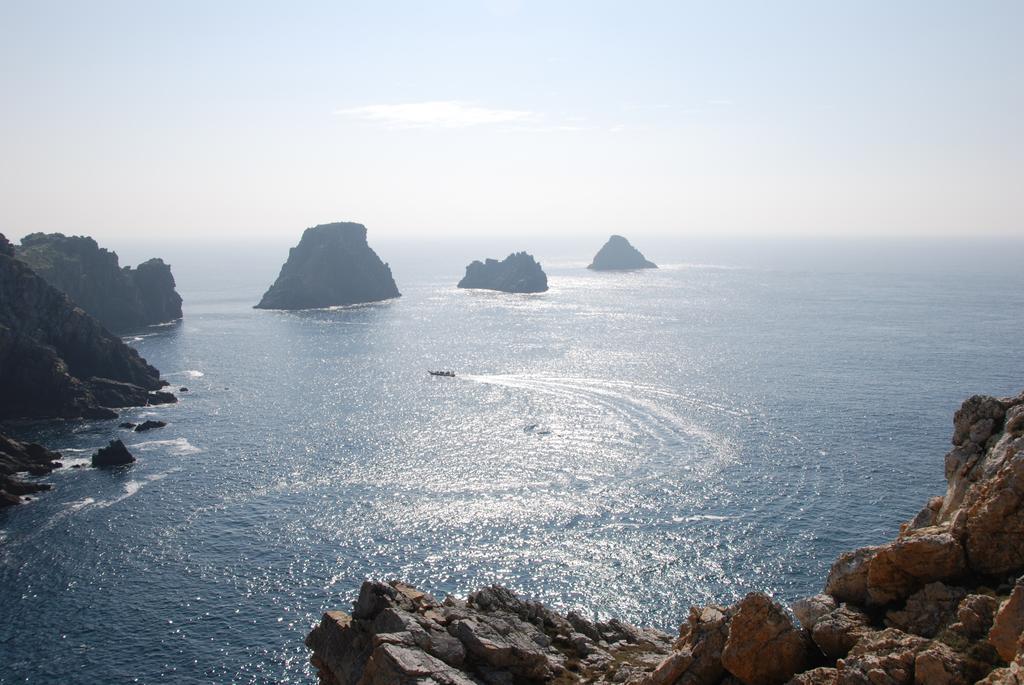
<point>517,273</point>
<point>156,288</point>
<point>56,360</point>
<point>332,265</point>
<point>119,298</point>
<point>618,254</point>
<point>18,457</point>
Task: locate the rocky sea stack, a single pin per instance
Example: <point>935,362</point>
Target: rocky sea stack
<point>618,255</point>
<point>114,454</point>
<point>332,265</point>
<point>942,604</point>
<point>517,273</point>
<point>56,361</point>
<point>121,299</point>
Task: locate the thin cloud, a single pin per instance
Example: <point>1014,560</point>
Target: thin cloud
<point>437,114</point>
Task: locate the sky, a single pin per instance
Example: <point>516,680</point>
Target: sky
<point>252,120</point>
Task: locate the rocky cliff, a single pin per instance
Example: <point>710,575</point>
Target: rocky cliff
<point>332,265</point>
<point>18,457</point>
<point>942,604</point>
<point>56,360</point>
<point>517,273</point>
<point>119,298</point>
<point>617,254</point>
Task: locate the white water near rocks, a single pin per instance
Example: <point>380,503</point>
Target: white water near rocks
<point>628,444</point>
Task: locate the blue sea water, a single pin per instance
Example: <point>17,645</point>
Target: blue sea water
<point>624,445</point>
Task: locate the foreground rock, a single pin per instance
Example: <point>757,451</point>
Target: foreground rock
<point>397,634</point>
<point>121,299</point>
<point>332,265</point>
<point>943,604</point>
<point>19,457</point>
<point>618,255</point>
<point>517,273</point>
<point>114,454</point>
<point>56,361</point>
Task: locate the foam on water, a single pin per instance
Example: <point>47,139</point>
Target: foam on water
<point>175,446</point>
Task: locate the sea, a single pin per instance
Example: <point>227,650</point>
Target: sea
<point>624,445</point>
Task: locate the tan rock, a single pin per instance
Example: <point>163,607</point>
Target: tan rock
<point>928,516</point>
<point>886,657</point>
<point>974,616</point>
<point>839,630</point>
<point>1009,624</point>
<point>995,511</point>
<point>698,656</point>
<point>816,676</point>
<point>928,610</point>
<point>399,665</point>
<point>940,665</point>
<point>494,641</point>
<point>330,641</point>
<point>810,609</point>
<point>975,419</point>
<point>1015,420</point>
<point>672,668</point>
<point>1012,675</point>
<point>848,577</point>
<point>764,647</point>
<point>983,505</point>
<point>902,567</point>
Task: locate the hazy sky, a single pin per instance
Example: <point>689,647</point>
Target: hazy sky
<point>227,119</point>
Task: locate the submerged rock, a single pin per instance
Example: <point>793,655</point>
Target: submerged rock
<point>517,273</point>
<point>19,457</point>
<point>121,299</point>
<point>56,360</point>
<point>149,425</point>
<point>332,265</point>
<point>114,454</point>
<point>618,255</point>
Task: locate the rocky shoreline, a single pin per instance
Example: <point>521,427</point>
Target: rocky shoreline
<point>19,457</point>
<point>942,604</point>
<point>58,362</point>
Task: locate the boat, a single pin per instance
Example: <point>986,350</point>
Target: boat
<point>446,374</point>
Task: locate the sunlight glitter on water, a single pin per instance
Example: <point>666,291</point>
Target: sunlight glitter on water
<point>619,446</point>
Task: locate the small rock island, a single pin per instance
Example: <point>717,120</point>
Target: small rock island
<point>332,265</point>
<point>121,299</point>
<point>618,255</point>
<point>517,273</point>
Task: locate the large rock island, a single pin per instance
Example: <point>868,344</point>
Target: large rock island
<point>619,255</point>
<point>121,299</point>
<point>942,604</point>
<point>332,265</point>
<point>56,361</point>
<point>517,273</point>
